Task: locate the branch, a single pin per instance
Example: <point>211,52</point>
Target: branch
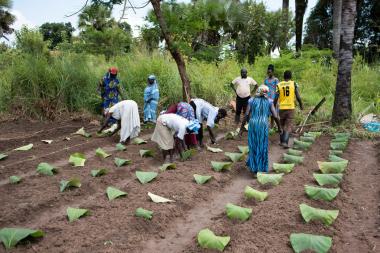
<point>81,9</point>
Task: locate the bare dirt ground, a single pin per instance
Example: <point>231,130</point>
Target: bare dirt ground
<point>112,227</point>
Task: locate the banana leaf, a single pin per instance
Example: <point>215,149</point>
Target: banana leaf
<point>301,144</point>
<point>335,152</point>
<point>250,193</point>
<point>283,167</point>
<point>120,147</point>
<point>315,134</point>
<point>319,193</point>
<point>188,154</point>
<point>121,162</point>
<point>11,236</point>
<point>294,152</point>
<point>334,158</point>
<point>77,159</point>
<point>332,167</point>
<point>340,139</point>
<point>316,243</point>
<point>3,156</point>
<point>146,214</point>
<point>328,179</point>
<point>234,157</point>
<point>293,159</point>
<point>208,240</point>
<point>338,145</point>
<point>73,182</point>
<point>168,166</point>
<point>273,179</point>
<point>99,172</point>
<point>214,150</point>
<point>113,193</point>
<point>200,179</point>
<point>243,149</point>
<point>231,135</point>
<point>15,179</point>
<point>219,166</point>
<point>339,135</point>
<point>307,139</point>
<point>158,199</point>
<point>82,132</point>
<point>139,141</point>
<point>238,212</point>
<point>75,213</point>
<point>46,169</point>
<point>310,213</point>
<point>146,153</point>
<point>101,153</point>
<point>24,148</point>
<point>145,176</point>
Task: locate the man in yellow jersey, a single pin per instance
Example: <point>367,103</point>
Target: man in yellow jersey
<point>287,93</point>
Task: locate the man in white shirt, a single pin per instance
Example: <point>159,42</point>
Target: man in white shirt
<point>205,111</point>
<point>242,86</point>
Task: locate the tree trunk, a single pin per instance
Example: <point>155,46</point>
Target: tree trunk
<point>285,18</point>
<point>342,104</point>
<point>174,51</point>
<point>337,17</point>
<point>300,12</point>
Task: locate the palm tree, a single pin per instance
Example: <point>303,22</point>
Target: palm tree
<point>300,12</point>
<point>6,18</point>
<point>285,19</point>
<point>342,104</point>
<point>337,17</point>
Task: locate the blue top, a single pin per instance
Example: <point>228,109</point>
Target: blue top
<point>272,85</point>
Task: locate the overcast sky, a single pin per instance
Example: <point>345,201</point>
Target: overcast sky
<point>33,13</point>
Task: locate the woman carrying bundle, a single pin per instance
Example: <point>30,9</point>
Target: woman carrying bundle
<point>258,111</point>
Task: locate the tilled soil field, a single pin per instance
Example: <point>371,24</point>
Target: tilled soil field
<point>112,226</point>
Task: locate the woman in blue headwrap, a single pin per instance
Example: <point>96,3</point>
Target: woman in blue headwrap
<point>151,97</point>
<point>258,111</point>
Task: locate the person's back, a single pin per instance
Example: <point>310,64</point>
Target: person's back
<point>286,95</point>
<point>260,107</point>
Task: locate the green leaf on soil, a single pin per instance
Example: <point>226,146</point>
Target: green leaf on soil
<point>3,156</point>
<point>77,159</point>
<point>336,152</point>
<point>11,236</point>
<point>310,213</point>
<point>302,144</point>
<point>99,172</point>
<point>73,182</point>
<point>120,147</point>
<point>219,166</point>
<point>75,213</point>
<point>283,167</point>
<point>250,193</point>
<point>316,243</point>
<point>200,179</point>
<point>188,154</point>
<point>340,135</point>
<point>82,132</point>
<point>214,150</point>
<point>338,145</point>
<point>307,139</point>
<point>315,134</point>
<point>113,193</point>
<point>168,166</point>
<point>265,178</point>
<point>24,148</point>
<point>244,149</point>
<point>294,152</point>
<point>340,139</point>
<point>121,162</point>
<point>328,179</point>
<point>238,212</point>
<point>14,179</point>
<point>146,153</point>
<point>145,177</point>
<point>231,135</point>
<point>234,157</point>
<point>138,141</point>
<point>146,214</point>
<point>46,169</point>
<point>332,167</point>
<point>293,159</point>
<point>158,199</point>
<point>335,158</point>
<point>101,153</point>
<point>319,193</point>
<point>208,240</point>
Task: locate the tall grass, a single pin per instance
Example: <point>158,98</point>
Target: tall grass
<point>66,82</point>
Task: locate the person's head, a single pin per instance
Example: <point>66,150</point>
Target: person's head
<point>287,75</point>
<point>222,113</point>
<point>151,79</point>
<point>243,73</point>
<point>193,126</point>
<point>262,91</point>
<point>270,70</point>
<point>113,72</point>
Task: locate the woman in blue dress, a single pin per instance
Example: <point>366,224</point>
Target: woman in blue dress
<point>151,97</point>
<point>258,111</point>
